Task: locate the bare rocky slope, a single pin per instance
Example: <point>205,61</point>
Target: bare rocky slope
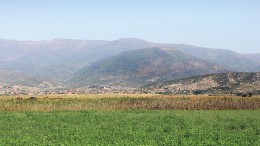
<point>236,81</point>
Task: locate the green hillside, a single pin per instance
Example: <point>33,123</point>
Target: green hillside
<point>143,66</point>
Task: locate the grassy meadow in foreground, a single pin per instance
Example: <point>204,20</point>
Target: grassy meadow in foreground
<point>131,127</point>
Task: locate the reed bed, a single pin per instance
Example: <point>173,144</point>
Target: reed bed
<point>126,102</point>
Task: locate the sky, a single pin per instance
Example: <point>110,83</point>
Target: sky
<point>226,24</point>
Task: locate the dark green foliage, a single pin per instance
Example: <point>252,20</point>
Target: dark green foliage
<point>134,127</point>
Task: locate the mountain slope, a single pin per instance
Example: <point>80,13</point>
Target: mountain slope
<point>136,68</point>
<point>229,59</point>
<point>257,69</point>
<point>8,77</point>
<point>232,81</point>
<point>253,57</point>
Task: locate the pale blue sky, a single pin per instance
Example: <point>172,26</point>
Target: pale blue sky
<point>227,24</point>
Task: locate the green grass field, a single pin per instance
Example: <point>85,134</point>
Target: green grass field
<point>131,127</point>
<point>129,120</point>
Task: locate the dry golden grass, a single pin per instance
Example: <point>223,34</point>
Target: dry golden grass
<point>127,101</point>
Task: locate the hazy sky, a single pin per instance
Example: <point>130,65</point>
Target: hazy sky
<point>227,24</point>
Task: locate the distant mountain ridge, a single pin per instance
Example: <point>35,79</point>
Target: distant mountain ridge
<point>60,59</point>
<point>135,68</point>
<point>229,59</point>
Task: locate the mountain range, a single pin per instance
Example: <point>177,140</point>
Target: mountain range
<point>121,62</point>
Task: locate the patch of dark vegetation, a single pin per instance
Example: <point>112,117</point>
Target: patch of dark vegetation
<point>33,98</point>
<point>247,94</point>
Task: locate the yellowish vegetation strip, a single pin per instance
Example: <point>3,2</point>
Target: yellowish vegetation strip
<point>126,102</point>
